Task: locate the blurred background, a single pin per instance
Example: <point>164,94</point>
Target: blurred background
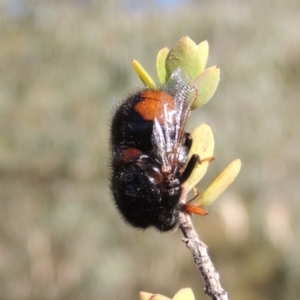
<point>63,65</point>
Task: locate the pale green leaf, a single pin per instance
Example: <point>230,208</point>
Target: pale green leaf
<point>203,145</point>
<point>206,84</point>
<point>149,296</point>
<point>203,56</point>
<point>145,296</point>
<point>220,184</point>
<point>185,54</point>
<point>184,294</point>
<point>160,64</point>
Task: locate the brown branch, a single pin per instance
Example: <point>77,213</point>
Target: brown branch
<point>202,260</point>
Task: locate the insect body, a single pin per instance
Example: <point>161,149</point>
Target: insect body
<point>149,154</point>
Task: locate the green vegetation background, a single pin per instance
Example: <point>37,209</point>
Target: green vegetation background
<point>63,65</point>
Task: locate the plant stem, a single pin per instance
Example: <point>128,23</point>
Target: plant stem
<point>202,260</point>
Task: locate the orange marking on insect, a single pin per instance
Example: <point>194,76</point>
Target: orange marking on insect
<point>131,154</point>
<point>154,105</point>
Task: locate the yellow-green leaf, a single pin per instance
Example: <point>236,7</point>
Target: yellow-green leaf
<point>206,84</point>
<point>185,54</point>
<point>220,184</point>
<point>203,145</point>
<point>203,50</point>
<point>143,74</point>
<point>184,294</point>
<point>160,64</point>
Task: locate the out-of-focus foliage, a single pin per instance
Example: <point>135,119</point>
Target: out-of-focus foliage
<point>63,65</point>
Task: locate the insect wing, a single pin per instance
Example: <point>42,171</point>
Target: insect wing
<point>170,122</point>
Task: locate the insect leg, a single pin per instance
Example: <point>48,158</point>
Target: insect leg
<point>189,168</point>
